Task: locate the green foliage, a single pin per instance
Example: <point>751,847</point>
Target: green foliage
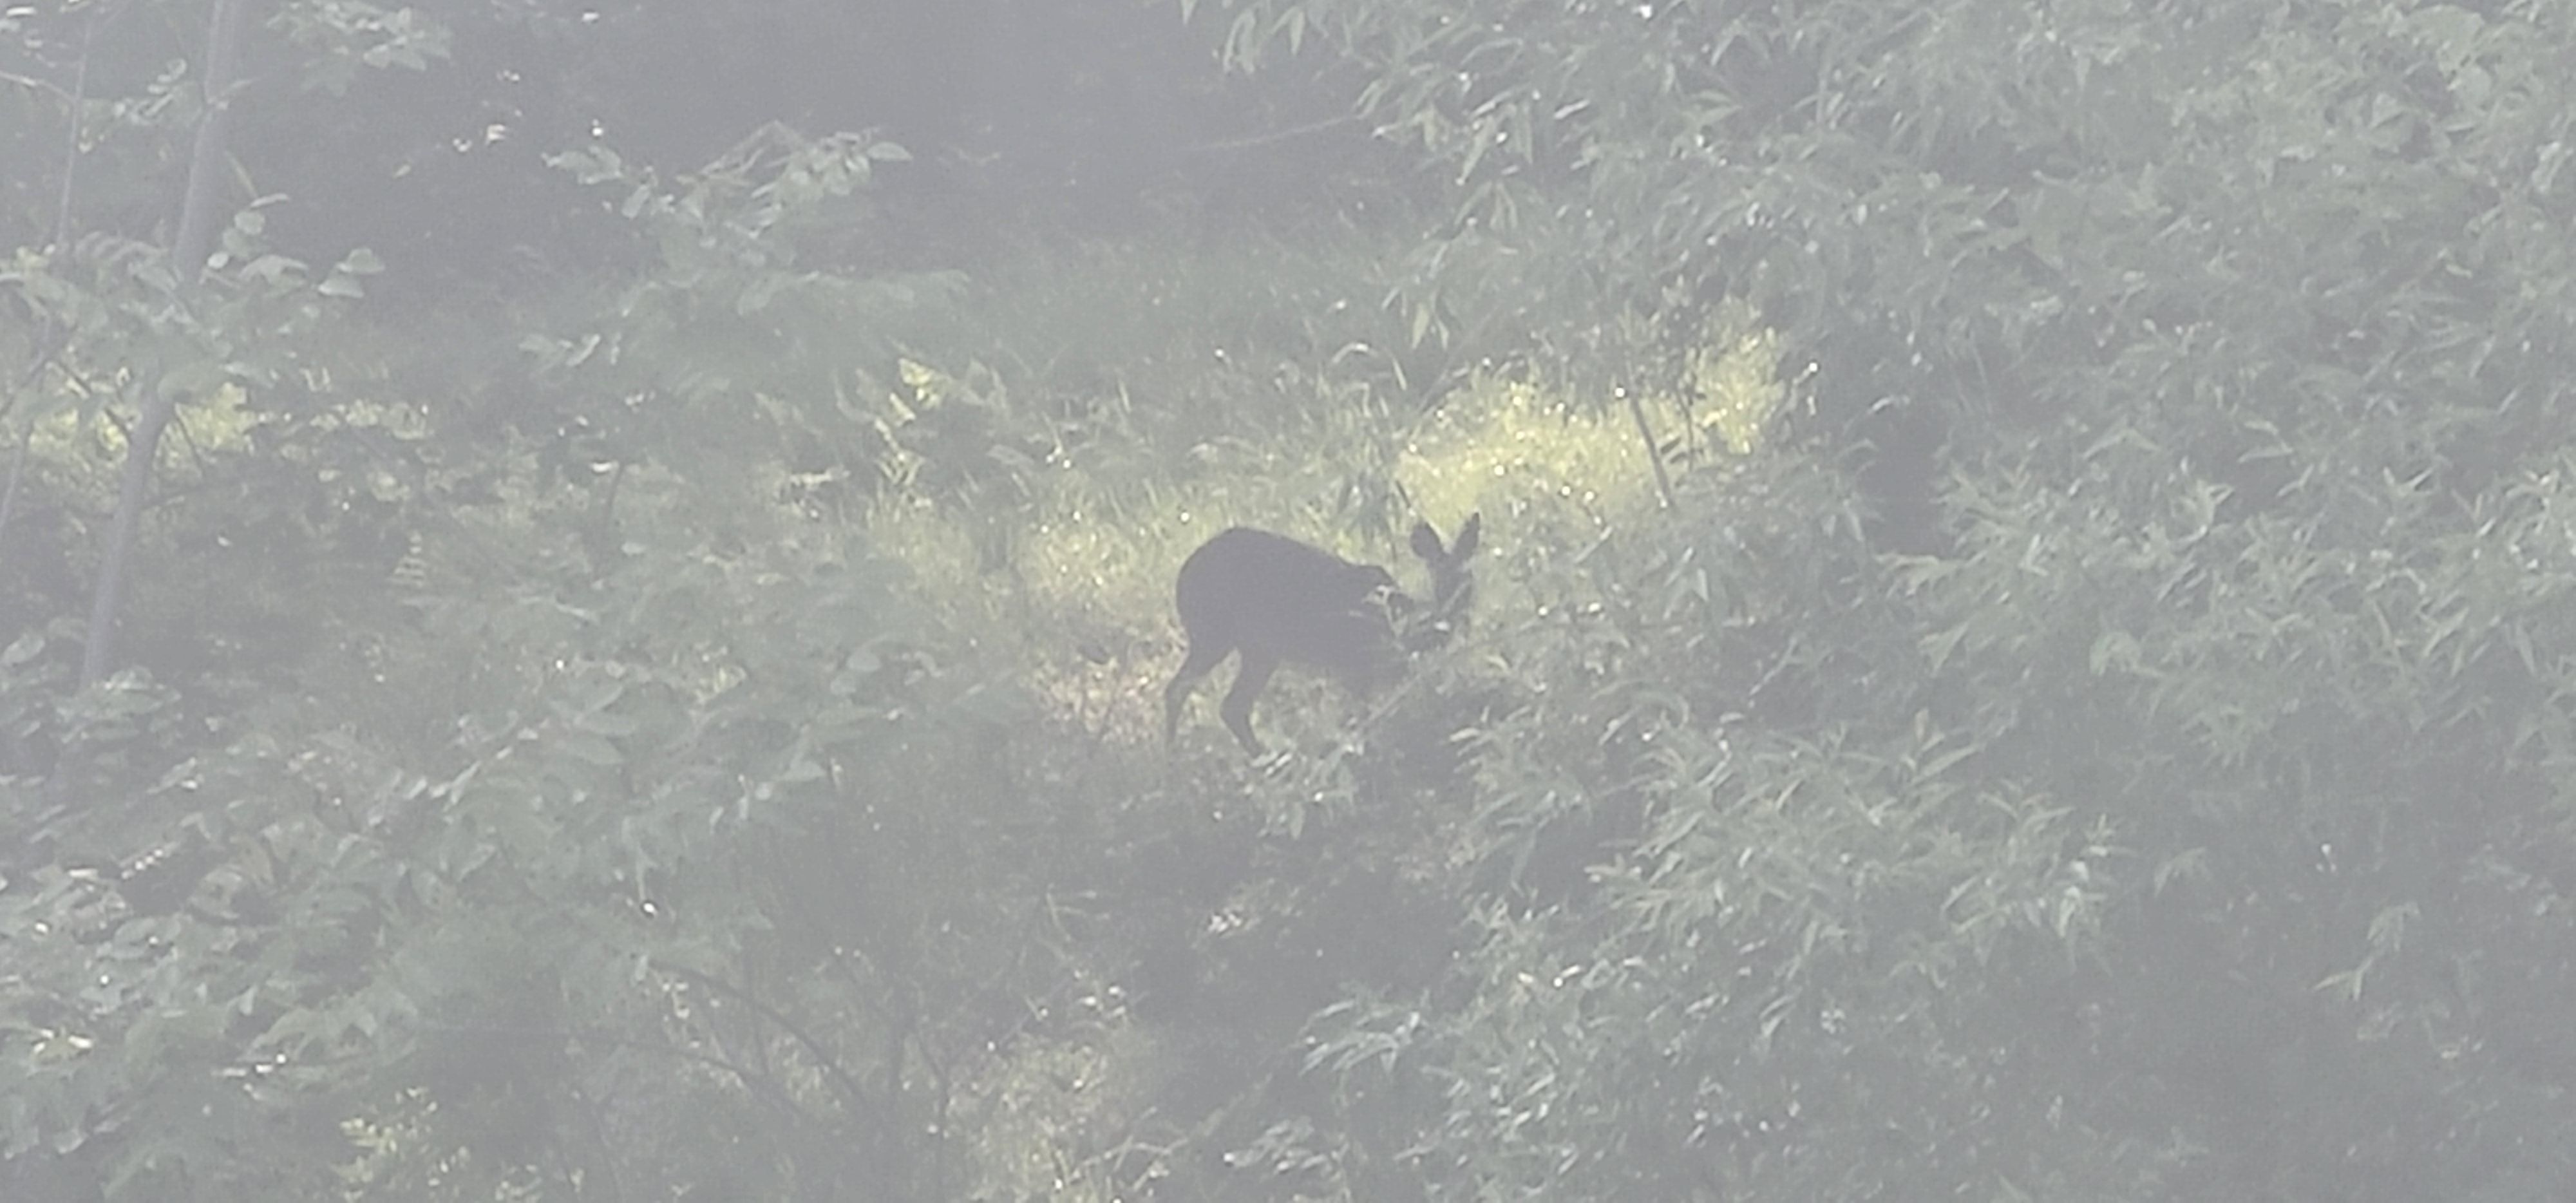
<point>2235,660</point>
<point>726,315</point>
<point>343,38</point>
<point>688,730</point>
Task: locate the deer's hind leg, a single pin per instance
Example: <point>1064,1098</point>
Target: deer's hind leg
<point>1248,682</point>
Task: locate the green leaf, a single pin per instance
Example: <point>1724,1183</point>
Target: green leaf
<point>589,748</point>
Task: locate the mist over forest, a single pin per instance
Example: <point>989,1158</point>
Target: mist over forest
<point>1287,600</point>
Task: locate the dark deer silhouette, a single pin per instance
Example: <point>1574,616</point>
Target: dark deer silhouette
<point>1275,599</point>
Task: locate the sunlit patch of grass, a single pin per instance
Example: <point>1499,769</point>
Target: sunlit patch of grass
<point>1554,472</point>
<point>1735,373</point>
<point>1510,445</point>
<point>1519,447</point>
<point>1105,592</point>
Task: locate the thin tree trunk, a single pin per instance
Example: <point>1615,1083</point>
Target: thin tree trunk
<point>56,335</point>
<point>188,254</point>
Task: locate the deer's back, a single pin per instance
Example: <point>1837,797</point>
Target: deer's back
<point>1253,589</point>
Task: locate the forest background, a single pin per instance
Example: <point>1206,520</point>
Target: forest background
<point>585,587</point>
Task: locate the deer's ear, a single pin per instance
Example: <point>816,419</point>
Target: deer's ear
<point>1468,536</point>
<point>1426,541</point>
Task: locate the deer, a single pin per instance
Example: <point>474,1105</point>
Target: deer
<point>1275,600</point>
